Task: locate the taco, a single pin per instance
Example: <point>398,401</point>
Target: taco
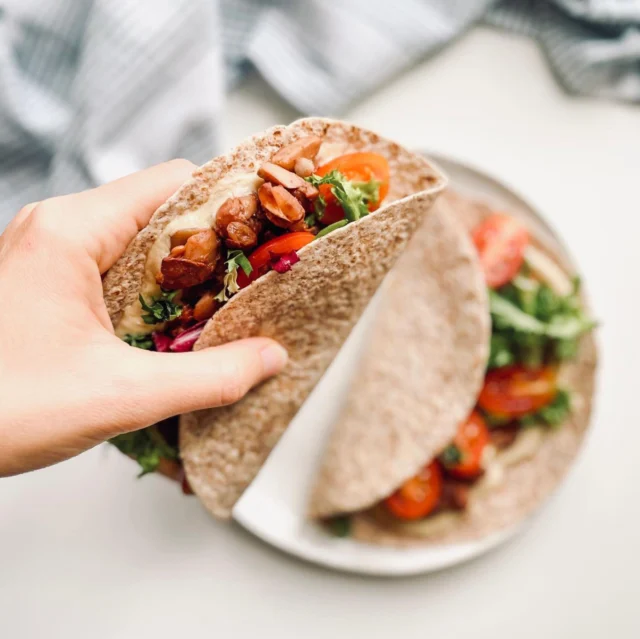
<point>417,476</point>
<point>288,236</point>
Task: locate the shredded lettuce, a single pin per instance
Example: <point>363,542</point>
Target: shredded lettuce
<point>531,322</point>
<point>354,197</point>
<point>235,259</point>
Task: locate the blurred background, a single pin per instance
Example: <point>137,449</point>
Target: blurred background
<point>540,93</point>
<point>94,89</point>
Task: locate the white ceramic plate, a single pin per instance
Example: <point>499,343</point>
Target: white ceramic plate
<point>273,507</point>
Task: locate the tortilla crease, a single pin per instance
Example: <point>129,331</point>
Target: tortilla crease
<point>527,484</point>
<point>309,310</point>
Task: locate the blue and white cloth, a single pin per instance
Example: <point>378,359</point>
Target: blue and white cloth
<point>94,89</point>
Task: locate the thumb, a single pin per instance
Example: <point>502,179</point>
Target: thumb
<point>168,384</point>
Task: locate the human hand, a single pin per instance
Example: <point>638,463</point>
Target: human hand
<point>67,382</point>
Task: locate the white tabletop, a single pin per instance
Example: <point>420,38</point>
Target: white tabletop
<point>85,551</point>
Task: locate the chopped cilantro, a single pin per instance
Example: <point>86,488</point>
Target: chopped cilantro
<point>564,349</point>
<point>146,446</point>
<point>139,341</point>
<point>530,421</point>
<point>354,197</point>
<point>319,205</point>
<point>495,421</point>
<point>310,220</point>
<point>451,455</point>
<point>553,414</point>
<point>532,350</point>
<point>160,309</point>
<point>340,526</point>
<point>235,259</point>
<point>547,303</point>
<point>501,353</point>
<point>558,410</point>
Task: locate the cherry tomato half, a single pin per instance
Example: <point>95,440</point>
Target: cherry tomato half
<point>500,241</point>
<point>418,496</point>
<point>470,440</point>
<point>357,167</point>
<point>262,257</point>
<point>514,391</point>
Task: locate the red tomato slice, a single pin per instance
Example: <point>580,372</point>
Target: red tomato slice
<point>357,167</point>
<point>471,440</point>
<point>418,496</point>
<point>262,257</point>
<point>514,391</point>
<point>501,242</point>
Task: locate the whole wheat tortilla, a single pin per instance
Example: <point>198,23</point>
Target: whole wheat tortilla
<point>420,377</point>
<point>309,310</point>
<point>527,484</point>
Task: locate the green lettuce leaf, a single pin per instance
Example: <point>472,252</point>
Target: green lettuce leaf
<point>354,197</point>
<point>235,259</point>
<point>532,323</point>
<point>506,315</point>
<point>553,414</point>
<point>554,318</point>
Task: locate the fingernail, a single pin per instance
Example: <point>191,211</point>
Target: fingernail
<point>274,357</point>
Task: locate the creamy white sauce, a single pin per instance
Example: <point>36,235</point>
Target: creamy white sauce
<point>328,151</point>
<point>435,525</point>
<point>232,186</point>
<point>201,218</point>
<point>525,447</point>
<point>495,464</point>
<point>548,271</point>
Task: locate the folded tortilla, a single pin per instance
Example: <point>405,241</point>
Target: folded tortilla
<point>421,378</point>
<point>310,310</point>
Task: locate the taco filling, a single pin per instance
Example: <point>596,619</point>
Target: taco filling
<point>537,321</point>
<point>252,223</point>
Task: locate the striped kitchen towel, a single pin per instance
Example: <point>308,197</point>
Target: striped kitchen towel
<point>322,55</point>
<point>93,89</point>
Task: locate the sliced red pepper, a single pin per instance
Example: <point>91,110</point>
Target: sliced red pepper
<point>264,256</point>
